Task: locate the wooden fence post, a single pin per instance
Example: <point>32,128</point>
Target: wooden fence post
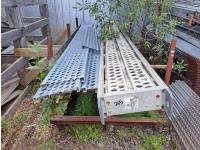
<point>44,13</point>
<point>15,21</point>
<point>172,49</point>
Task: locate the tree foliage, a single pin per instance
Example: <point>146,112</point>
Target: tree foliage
<point>150,17</point>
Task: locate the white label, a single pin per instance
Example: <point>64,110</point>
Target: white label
<point>131,103</point>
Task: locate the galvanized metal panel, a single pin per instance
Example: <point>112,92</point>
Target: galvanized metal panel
<point>194,7</point>
<point>91,38</point>
<point>72,64</point>
<point>188,37</point>
<point>185,114</point>
<point>77,69</point>
<point>184,46</point>
<point>58,88</point>
<point>137,74</point>
<point>114,71</point>
<point>91,81</point>
<point>127,82</point>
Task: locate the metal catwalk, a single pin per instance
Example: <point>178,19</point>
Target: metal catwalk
<point>77,68</point>
<point>127,82</point>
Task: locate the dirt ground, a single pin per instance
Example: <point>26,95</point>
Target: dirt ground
<point>24,132</point>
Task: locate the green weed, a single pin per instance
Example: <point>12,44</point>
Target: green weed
<point>13,121</point>
<point>51,107</point>
<point>153,142</point>
<point>180,67</point>
<point>10,125</point>
<point>120,132</point>
<point>50,144</point>
<point>87,132</point>
<point>86,105</point>
<point>134,130</point>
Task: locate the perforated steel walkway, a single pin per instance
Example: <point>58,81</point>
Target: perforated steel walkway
<point>127,81</point>
<point>77,68</point>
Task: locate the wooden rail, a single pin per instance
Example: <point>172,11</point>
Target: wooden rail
<point>18,33</point>
<point>14,68</point>
<point>30,52</point>
<point>5,3</point>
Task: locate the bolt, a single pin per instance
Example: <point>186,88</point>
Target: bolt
<point>108,102</point>
<point>157,96</point>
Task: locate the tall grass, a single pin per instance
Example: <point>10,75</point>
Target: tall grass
<point>86,105</point>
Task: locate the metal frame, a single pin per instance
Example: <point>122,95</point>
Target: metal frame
<point>129,94</point>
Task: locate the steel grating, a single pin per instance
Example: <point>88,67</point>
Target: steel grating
<point>76,69</point>
<point>136,72</point>
<point>58,88</point>
<point>127,82</point>
<point>115,79</point>
<point>185,114</point>
<point>72,64</point>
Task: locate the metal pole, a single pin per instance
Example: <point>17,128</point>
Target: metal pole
<point>50,47</point>
<point>172,49</point>
<point>76,19</point>
<point>190,20</point>
<point>68,30</point>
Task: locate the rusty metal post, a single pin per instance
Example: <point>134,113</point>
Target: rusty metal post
<point>142,42</point>
<point>50,47</point>
<point>68,30</point>
<point>76,22</point>
<point>172,49</point>
<point>190,20</point>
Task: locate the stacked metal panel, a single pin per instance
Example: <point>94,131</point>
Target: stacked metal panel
<point>184,46</point>
<point>185,114</point>
<point>127,82</point>
<point>77,68</point>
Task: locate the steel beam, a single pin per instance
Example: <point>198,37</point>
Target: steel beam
<point>125,121</point>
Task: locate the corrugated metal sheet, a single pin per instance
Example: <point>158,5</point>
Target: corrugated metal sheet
<point>185,116</point>
<point>77,68</point>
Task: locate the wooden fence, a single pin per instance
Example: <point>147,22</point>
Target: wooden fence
<point>61,13</point>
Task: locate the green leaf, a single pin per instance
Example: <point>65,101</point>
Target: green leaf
<point>36,47</point>
<point>41,61</point>
<point>33,67</point>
